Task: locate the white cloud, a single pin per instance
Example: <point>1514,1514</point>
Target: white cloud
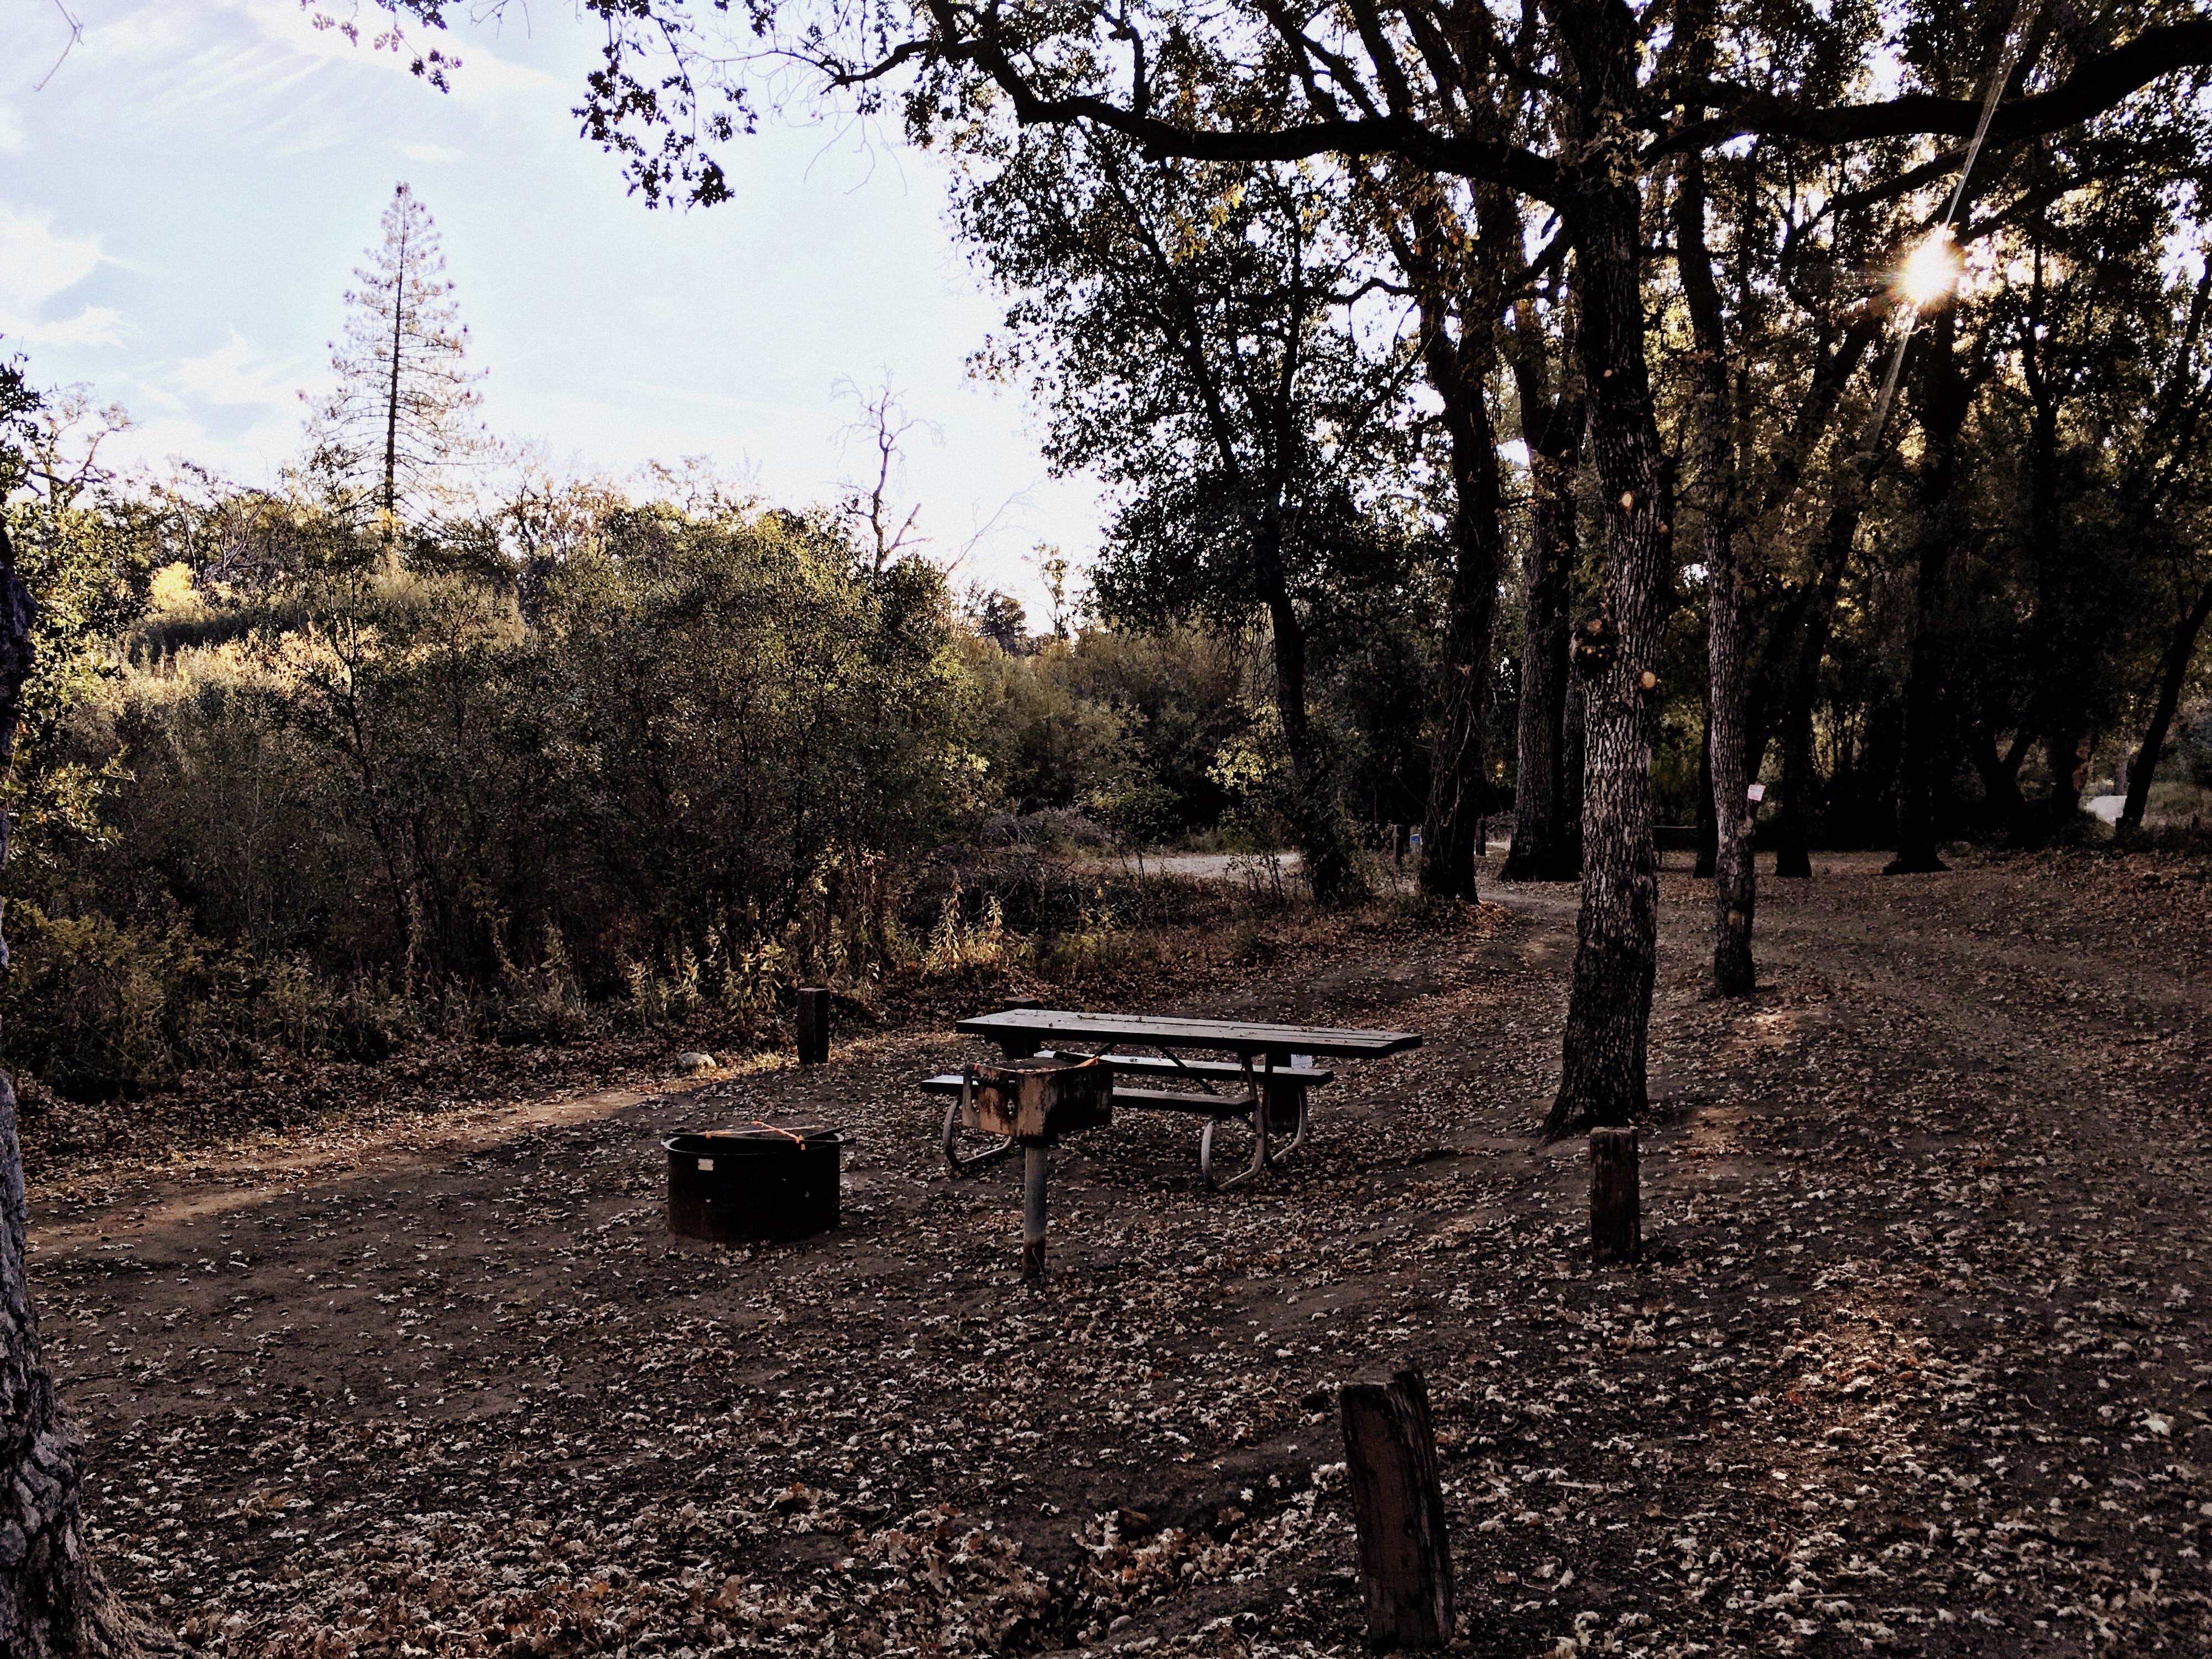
<point>263,73</point>
<point>483,76</point>
<point>252,456</point>
<point>233,374</point>
<point>434,155</point>
<point>94,326</point>
<point>37,265</point>
<point>37,262</point>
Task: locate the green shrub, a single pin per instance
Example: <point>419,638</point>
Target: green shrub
<point>93,1009</point>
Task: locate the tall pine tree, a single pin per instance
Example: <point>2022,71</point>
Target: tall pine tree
<point>392,437</point>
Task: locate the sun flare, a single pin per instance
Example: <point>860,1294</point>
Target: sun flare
<point>1931,271</point>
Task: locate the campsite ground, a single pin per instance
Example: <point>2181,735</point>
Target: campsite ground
<point>1918,1361</point>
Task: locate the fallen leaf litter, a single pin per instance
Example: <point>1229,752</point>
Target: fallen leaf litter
<point>1915,1363</point>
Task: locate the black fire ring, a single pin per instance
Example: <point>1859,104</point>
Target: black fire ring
<point>754,1184</point>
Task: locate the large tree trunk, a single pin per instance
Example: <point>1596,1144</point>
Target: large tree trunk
<point>1708,829</point>
<point>1603,1071</point>
<point>1798,675</point>
<point>1943,412</point>
<point>2066,748</point>
<point>1713,445</point>
<point>1736,884</point>
<point>1797,811</point>
<point>54,1601</point>
<point>1574,761</point>
<point>1546,795</point>
<point>2173,675</point>
<point>1458,792</point>
<point>2000,771</point>
<point>1317,825</point>
<point>1459,787</point>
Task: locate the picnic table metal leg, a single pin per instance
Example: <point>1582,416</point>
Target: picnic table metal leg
<point>1033,1223</point>
<point>1258,1119</point>
<point>1276,1088</point>
<point>953,1160</point>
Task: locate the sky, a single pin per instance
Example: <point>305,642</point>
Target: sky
<point>183,200</point>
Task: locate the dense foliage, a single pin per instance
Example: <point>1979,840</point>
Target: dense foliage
<point>659,749</point>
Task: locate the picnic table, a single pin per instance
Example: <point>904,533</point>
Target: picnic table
<point>1269,1071</point>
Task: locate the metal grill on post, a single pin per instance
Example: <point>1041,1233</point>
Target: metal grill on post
<point>1034,1102</point>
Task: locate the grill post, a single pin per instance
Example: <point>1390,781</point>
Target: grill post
<point>813,1025</point>
<point>1033,1161</point>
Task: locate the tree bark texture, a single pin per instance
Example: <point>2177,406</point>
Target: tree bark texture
<point>1797,676</point>
<point>1943,412</point>
<point>2173,675</point>
<point>1616,1197</point>
<point>1713,449</point>
<point>1547,811</point>
<point>1458,370</point>
<point>53,1600</point>
<point>1575,756</point>
<point>1709,831</point>
<point>2000,771</point>
<point>1795,813</point>
<point>1602,1072</point>
<point>1315,822</point>
<point>1398,1507</point>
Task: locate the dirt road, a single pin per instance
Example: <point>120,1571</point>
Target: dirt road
<point>1917,1361</point>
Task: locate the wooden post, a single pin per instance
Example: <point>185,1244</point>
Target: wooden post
<point>1398,1503</point>
<point>813,1025</point>
<point>1616,1197</point>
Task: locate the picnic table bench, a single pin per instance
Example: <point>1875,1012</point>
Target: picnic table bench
<point>1271,1072</point>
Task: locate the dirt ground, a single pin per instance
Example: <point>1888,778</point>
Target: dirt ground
<point>1917,1361</point>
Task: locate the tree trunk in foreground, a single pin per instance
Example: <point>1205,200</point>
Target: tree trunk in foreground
<point>2173,675</point>
<point>54,1601</point>
<point>1602,1068</point>
<point>1546,804</point>
<point>1398,1510</point>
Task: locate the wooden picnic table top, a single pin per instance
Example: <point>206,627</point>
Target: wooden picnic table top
<point>1169,1031</point>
